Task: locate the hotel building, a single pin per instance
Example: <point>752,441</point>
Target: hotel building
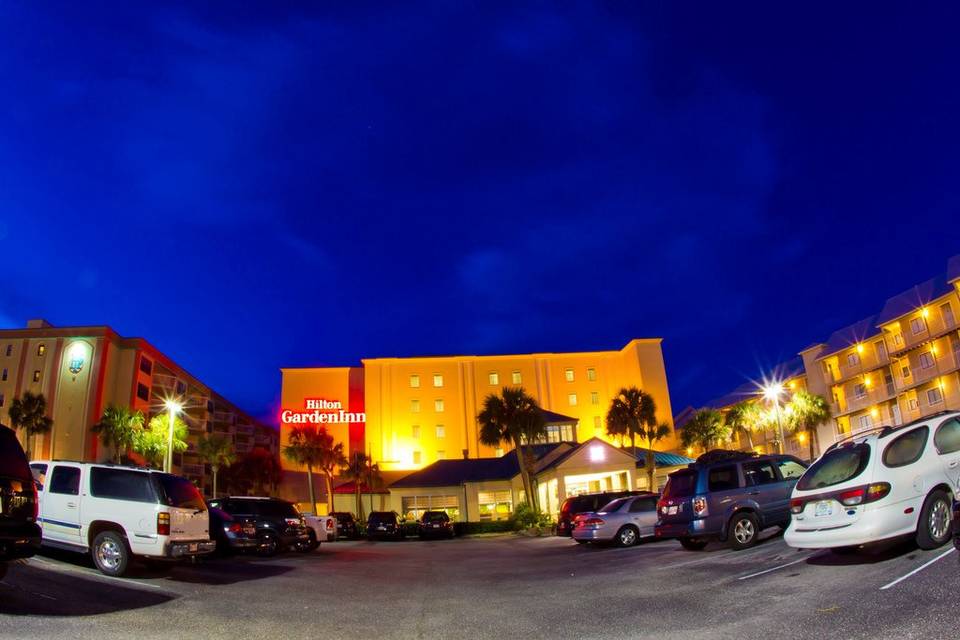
<point>82,370</point>
<point>410,413</point>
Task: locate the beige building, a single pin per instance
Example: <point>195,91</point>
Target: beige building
<point>82,370</point>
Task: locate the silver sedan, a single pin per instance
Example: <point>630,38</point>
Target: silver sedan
<point>623,521</point>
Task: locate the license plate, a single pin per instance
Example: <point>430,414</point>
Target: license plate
<point>193,546</point>
<point>436,526</point>
<point>249,530</point>
<point>381,528</point>
<point>823,508</point>
<point>672,511</point>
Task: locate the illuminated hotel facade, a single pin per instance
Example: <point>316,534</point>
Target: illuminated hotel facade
<point>408,413</point>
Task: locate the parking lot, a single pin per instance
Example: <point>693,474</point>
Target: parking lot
<point>496,587</point>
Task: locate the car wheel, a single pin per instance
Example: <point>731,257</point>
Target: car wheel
<point>310,545</point>
<point>692,545</point>
<point>933,530</point>
<point>110,553</point>
<point>582,541</point>
<point>627,536</point>
<point>742,530</point>
<point>267,545</point>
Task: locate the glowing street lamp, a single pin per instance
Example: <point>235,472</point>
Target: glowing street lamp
<point>173,408</point>
<point>772,393</point>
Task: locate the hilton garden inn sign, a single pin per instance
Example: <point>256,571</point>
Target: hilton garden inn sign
<point>321,411</point>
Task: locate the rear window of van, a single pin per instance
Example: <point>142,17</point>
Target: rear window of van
<point>681,484</point>
<point>836,466</point>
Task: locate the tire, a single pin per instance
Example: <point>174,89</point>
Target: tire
<point>110,553</point>
<point>692,545</point>
<point>268,545</point>
<point>627,536</point>
<point>934,528</point>
<point>310,545</point>
<point>743,530</point>
<point>583,542</point>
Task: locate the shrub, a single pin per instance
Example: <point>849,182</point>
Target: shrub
<point>525,517</point>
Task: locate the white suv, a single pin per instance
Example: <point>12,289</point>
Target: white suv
<point>117,512</point>
<point>892,482</point>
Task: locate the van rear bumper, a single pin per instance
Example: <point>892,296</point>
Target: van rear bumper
<point>19,542</point>
<point>189,548</point>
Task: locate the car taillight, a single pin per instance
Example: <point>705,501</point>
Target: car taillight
<point>699,506</point>
<point>848,498</point>
<point>594,522</point>
<point>36,501</point>
<point>329,524</point>
<point>796,505</point>
<point>852,497</point>
<point>662,506</point>
<point>163,524</point>
<point>293,522</point>
<point>236,527</point>
<point>877,490</point>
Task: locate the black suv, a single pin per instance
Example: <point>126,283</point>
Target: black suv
<point>585,503</point>
<point>346,525</point>
<point>279,524</point>
<point>384,524</point>
<point>728,496</point>
<point>19,531</point>
<point>435,524</point>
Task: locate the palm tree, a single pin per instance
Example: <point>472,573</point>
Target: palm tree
<point>357,472</point>
<point>331,460</point>
<point>745,417</point>
<point>306,448</point>
<point>631,411</point>
<point>118,428</point>
<point>372,478</point>
<point>704,429</point>
<point>653,434</point>
<point>151,442</point>
<point>29,412</point>
<point>807,412</point>
<point>515,418</point>
<point>217,451</point>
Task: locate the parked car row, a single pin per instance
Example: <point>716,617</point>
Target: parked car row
<point>387,525</point>
<point>884,484</point>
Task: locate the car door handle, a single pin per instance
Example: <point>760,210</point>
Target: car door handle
<point>955,464</point>
<point>71,505</point>
<point>754,493</point>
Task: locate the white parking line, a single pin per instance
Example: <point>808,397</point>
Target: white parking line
<point>765,546</point>
<point>760,573</point>
<point>918,569</point>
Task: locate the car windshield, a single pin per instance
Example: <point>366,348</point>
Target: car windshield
<point>681,484</point>
<point>836,466</point>
<point>612,506</point>
<point>179,492</point>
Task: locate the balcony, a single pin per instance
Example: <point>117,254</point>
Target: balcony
<point>935,326</point>
<point>944,363</point>
<point>246,429</point>
<point>164,381</point>
<point>868,361</point>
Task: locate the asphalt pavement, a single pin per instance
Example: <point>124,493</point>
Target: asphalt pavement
<point>501,587</point>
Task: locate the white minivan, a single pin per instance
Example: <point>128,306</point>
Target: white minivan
<point>892,482</point>
<point>117,513</point>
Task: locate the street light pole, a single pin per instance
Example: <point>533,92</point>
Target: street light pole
<point>772,392</point>
<point>173,408</point>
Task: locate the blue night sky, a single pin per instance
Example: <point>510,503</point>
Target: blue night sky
<point>254,189</point>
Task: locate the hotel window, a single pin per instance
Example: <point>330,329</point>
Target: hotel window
<point>498,452</point>
<point>181,388</point>
<point>495,505</point>
<point>905,371</point>
<point>41,349</point>
<point>494,378</point>
<point>592,374</point>
<point>860,391</point>
<point>36,375</point>
<point>559,433</point>
<point>146,366</point>
<point>437,380</point>
<point>415,506</point>
<point>441,454</point>
<point>414,406</point>
<point>441,432</point>
<point>9,349</point>
<point>572,399</point>
<point>1,399</point>
<point>946,312</point>
<point>934,396</point>
<point>917,325</point>
<point>926,360</point>
<point>143,392</point>
<point>416,457</point>
<point>852,359</point>
<point>414,381</point>
<point>3,376</point>
<point>415,431</point>
<point>438,406</point>
<point>881,349</point>
<point>516,377</point>
<point>865,422</point>
<point>897,339</point>
<point>594,397</point>
<point>568,375</point>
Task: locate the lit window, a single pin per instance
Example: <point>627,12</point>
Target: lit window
<point>441,432</point>
<point>860,391</point>
<point>415,431</point>
<point>416,457</point>
<point>912,403</point>
<point>917,325</point>
<point>594,397</point>
<point>36,375</point>
<point>852,359</point>
<point>897,339</point>
<point>3,376</point>
<point>438,406</point>
<point>865,421</point>
<point>414,406</point>
<point>494,378</point>
<point>516,377</point>
<point>41,349</point>
<point>905,371</point>
<point>437,380</point>
<point>592,374</point>
<point>926,360</point>
<point>414,382</point>
<point>441,454</point>
<point>934,396</point>
<point>568,374</point>
<point>498,452</point>
<point>572,399</point>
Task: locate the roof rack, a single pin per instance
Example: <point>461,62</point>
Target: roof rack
<point>725,455</point>
<point>884,430</point>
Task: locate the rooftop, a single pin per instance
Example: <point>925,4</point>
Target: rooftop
<point>850,336</point>
<point>953,268</point>
<point>446,473</point>
<point>914,298</point>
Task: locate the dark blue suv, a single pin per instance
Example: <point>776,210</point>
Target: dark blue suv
<point>728,496</point>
